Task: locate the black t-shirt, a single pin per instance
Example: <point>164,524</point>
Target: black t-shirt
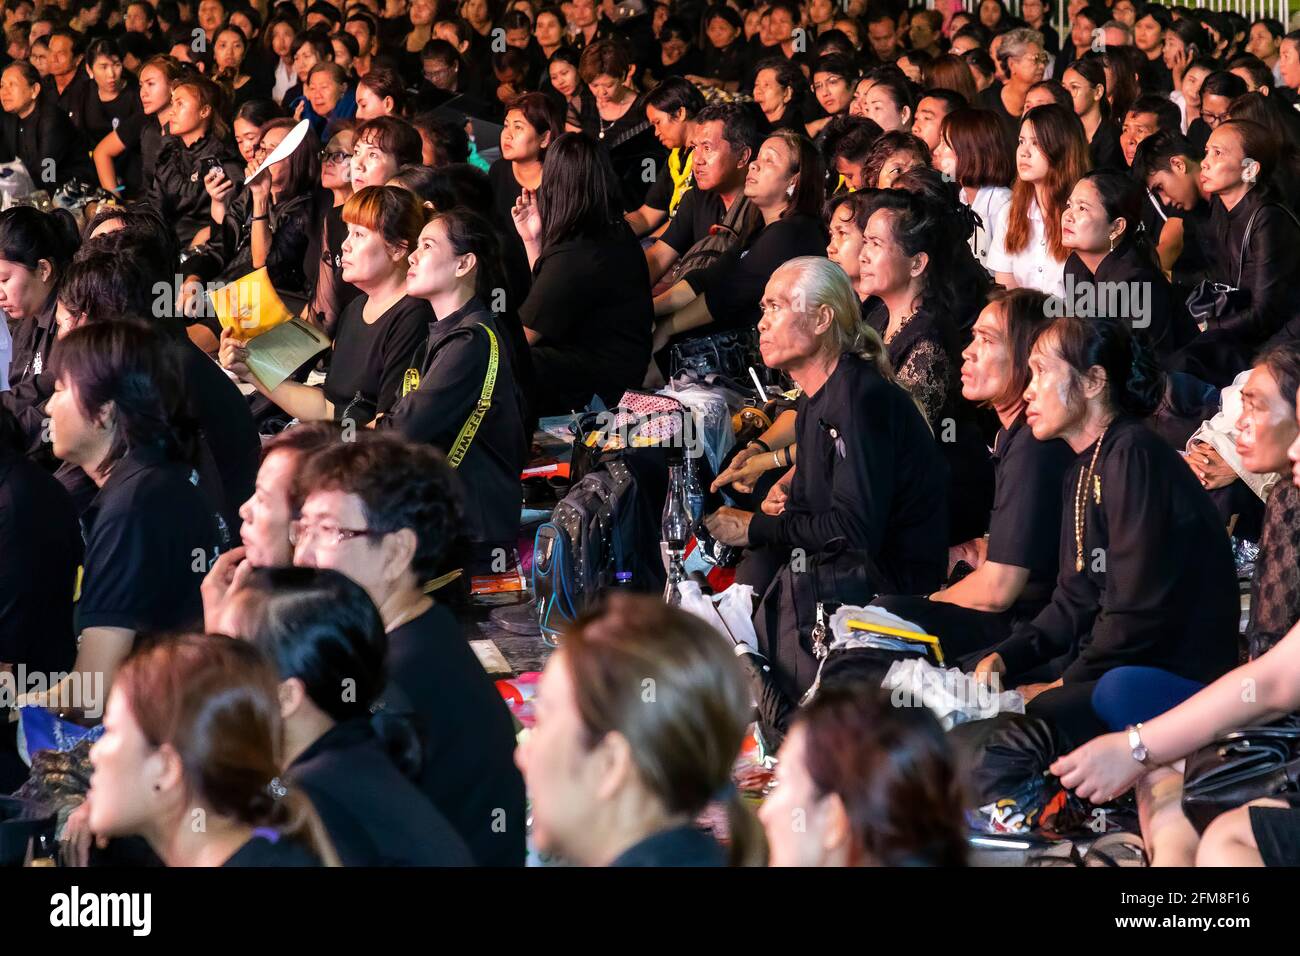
<point>142,136</point>
<point>733,286</point>
<point>1104,150</point>
<point>150,538</point>
<point>268,848</point>
<point>680,846</point>
<point>590,302</point>
<point>373,815</point>
<point>700,210</point>
<point>505,190</point>
<point>40,551</point>
<point>1025,524</point>
<point>370,358</point>
<point>468,734</point>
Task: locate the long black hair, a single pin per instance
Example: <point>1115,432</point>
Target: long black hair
<point>580,196</point>
<point>322,628</point>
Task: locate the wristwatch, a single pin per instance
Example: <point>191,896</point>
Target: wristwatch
<point>1140,752</point>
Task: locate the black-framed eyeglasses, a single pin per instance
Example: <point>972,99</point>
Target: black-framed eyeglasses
<point>326,533</point>
<point>331,156</point>
<point>1214,119</point>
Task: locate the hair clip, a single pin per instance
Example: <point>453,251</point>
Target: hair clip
<point>276,789</point>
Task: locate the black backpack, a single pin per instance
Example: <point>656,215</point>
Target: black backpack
<point>596,539</point>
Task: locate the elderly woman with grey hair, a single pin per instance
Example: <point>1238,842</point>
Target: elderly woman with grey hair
<point>1022,62</point>
<point>870,489</point>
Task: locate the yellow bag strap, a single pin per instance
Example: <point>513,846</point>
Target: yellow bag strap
<point>471,426</point>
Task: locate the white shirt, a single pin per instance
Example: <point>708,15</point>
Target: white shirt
<point>1033,267</point>
<point>285,78</point>
<point>988,204</point>
<point>1177,98</point>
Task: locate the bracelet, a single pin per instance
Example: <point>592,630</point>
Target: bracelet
<point>263,218</point>
<point>761,444</point>
<point>776,460</point>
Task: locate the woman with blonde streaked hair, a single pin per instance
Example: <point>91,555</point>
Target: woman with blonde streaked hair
<point>868,500</point>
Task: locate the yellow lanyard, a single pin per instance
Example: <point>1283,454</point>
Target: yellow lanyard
<point>680,170</point>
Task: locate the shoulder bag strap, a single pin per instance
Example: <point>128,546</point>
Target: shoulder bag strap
<point>1250,224</point>
<point>467,431</point>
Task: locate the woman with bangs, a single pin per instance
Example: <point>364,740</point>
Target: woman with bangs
<point>971,153</point>
<point>1051,156</point>
<point>378,331</point>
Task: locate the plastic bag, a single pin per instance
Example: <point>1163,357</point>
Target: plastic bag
<point>729,613</point>
<point>954,697</point>
<point>711,417</point>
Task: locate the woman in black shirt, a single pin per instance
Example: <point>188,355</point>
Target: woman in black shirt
<point>471,355</point>
<point>1085,81</point>
<point>36,130</point>
<point>358,518</point>
<point>139,134</point>
<point>229,48</point>
<point>1112,269</point>
<point>1257,251</point>
<point>532,124</point>
<point>1146,571</point>
<point>588,315</point>
<point>196,143</point>
<point>212,703</point>
<point>322,632</point>
<point>618,121</point>
<point>780,89</point>
<point>1014,572</point>
<point>786,184</point>
<point>378,331</point>
<point>726,57</point>
<point>112,100</point>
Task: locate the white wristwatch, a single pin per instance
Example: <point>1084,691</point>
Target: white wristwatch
<point>1139,749</point>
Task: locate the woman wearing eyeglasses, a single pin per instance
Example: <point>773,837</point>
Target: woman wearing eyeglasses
<point>1024,61</point>
<point>329,294</point>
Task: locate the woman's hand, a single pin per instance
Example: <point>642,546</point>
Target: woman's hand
<point>233,355</point>
<point>993,664</point>
<point>219,188</point>
<point>663,331</point>
<point>226,576</point>
<point>774,503</point>
<point>1209,467</point>
<point>1179,66</point>
<point>75,841</point>
<point>1030,691</point>
<point>730,526</point>
<point>744,470</point>
<point>1101,769</point>
<point>527,217</point>
<point>189,300</point>
<point>260,189</point>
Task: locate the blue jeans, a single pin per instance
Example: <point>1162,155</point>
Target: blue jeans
<point>1130,695</point>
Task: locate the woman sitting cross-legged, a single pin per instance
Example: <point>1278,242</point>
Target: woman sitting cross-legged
<point>1146,571</point>
<point>1015,567</point>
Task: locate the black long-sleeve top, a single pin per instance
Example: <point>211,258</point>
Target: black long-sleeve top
<point>870,473</point>
<point>176,189</point>
<point>31,379</point>
<point>229,251</point>
<point>373,815</point>
<point>1125,282</point>
<point>1270,269</point>
<point>453,366</point>
<point>1158,586</point>
<point>48,144</point>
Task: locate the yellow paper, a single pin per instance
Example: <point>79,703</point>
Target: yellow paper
<point>278,342</point>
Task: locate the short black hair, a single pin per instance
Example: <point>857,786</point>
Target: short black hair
<point>1157,12</point>
<point>1166,111</point>
<point>1223,83</point>
<point>950,98</point>
<point>741,126</point>
<point>1156,152</point>
<point>676,93</point>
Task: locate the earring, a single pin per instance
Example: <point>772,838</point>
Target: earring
<point>1112,243</point>
<point>789,191</point>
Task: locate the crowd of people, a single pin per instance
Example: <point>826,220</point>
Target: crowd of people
<point>1028,282</point>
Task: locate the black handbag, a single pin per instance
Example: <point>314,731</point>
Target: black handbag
<point>1210,301</point>
<point>1239,767</point>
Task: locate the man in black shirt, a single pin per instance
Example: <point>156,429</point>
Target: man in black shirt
<point>71,81</point>
<point>725,140</point>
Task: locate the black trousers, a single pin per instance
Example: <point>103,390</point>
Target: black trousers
<point>964,634</point>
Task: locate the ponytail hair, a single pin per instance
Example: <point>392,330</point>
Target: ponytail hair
<point>1135,384</point>
<point>823,282</point>
<point>468,232</point>
<point>214,701</point>
<point>321,627</point>
<point>1123,197</point>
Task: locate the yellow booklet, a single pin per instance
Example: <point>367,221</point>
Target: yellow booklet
<point>278,341</point>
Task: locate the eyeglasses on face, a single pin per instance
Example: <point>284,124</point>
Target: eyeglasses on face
<point>332,157</point>
<point>326,533</point>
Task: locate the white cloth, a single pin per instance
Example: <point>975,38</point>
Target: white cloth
<point>1032,267</point>
<point>285,78</point>
<point>1220,433</point>
<point>988,204</point>
<point>1177,98</point>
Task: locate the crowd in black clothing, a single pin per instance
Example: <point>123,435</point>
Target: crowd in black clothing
<point>1027,285</point>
